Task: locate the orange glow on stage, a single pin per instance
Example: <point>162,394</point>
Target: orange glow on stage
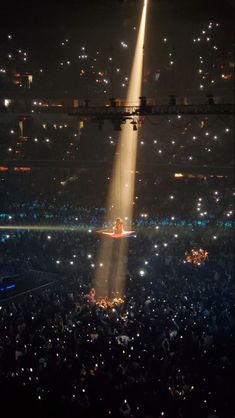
<point>112,234</point>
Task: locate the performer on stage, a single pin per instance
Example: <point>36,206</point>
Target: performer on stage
<point>118,227</point>
<point>117,230</point>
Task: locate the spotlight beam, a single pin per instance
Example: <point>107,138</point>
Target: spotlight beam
<point>113,255</point>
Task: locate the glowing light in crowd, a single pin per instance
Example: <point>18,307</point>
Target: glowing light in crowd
<point>110,280</point>
<point>197,256</point>
<point>109,303</point>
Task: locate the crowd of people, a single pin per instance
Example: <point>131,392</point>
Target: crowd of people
<point>163,352</point>
<point>52,197</point>
<point>166,351</point>
<point>186,140</point>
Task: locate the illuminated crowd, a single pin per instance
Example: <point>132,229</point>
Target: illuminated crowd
<point>41,197</point>
<point>94,71</point>
<point>164,350</point>
<point>179,140</point>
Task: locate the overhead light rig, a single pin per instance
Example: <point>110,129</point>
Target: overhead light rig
<point>118,115</point>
